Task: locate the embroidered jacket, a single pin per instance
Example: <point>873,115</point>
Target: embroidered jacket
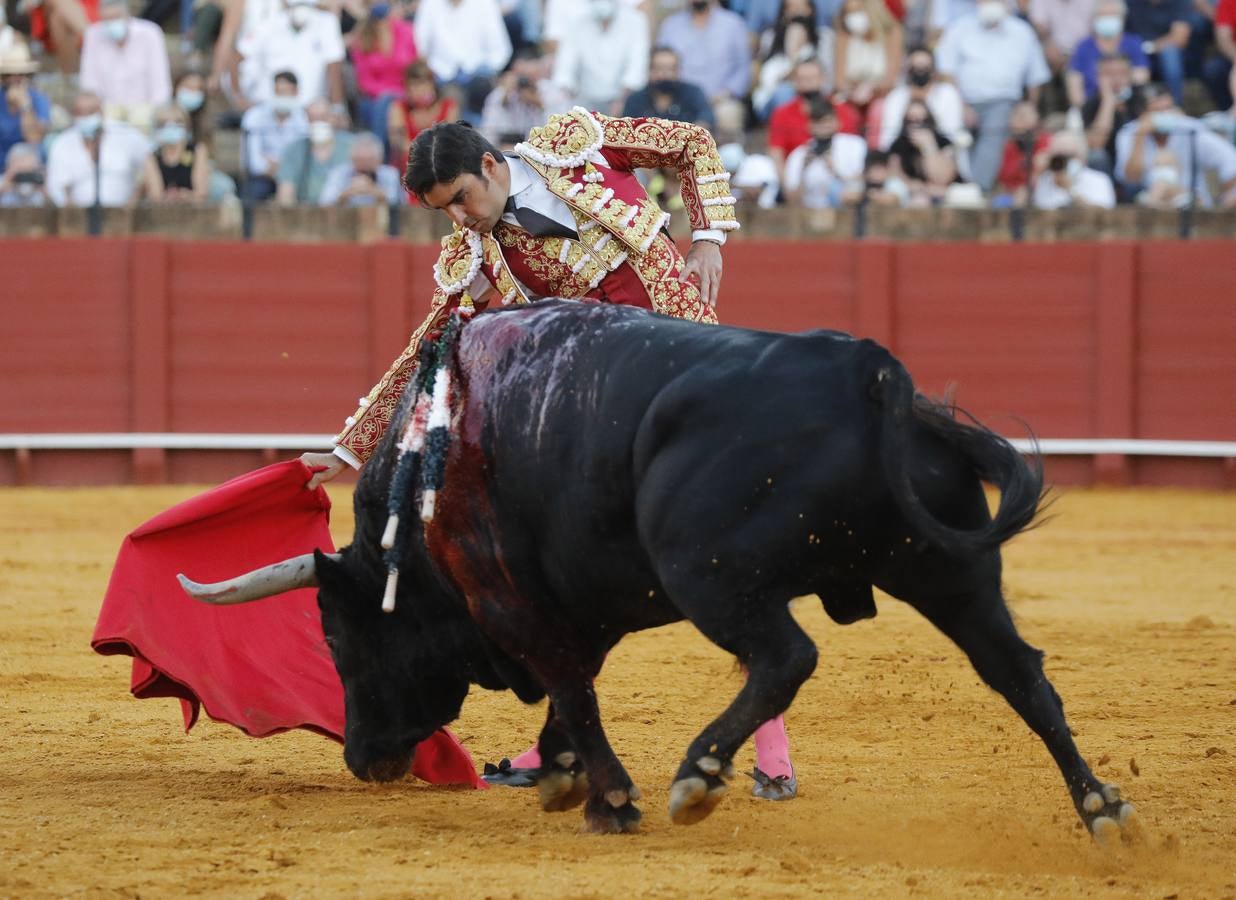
<point>622,255</point>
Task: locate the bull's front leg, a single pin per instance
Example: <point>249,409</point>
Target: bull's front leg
<point>561,780</point>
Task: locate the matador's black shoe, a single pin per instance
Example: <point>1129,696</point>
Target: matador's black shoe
<point>783,787</point>
<point>503,775</point>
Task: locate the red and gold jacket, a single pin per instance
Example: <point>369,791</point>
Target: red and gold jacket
<point>623,254</point>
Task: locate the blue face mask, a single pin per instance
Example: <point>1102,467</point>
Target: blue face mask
<point>379,11</point>
<point>171,133</point>
<point>1108,26</point>
<point>88,126</point>
<point>190,101</point>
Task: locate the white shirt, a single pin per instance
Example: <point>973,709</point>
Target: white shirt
<point>267,136</point>
<point>990,64</point>
<point>306,53</point>
<point>123,151</point>
<point>596,65</point>
<point>558,14</point>
<point>1090,186</point>
<point>1214,154</point>
<point>818,179</point>
<point>944,101</point>
<point>462,37</point>
<point>133,72</point>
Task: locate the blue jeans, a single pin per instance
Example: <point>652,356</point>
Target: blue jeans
<point>1215,72</point>
<point>1168,65</point>
<point>372,112</point>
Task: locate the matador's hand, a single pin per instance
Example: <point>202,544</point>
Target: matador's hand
<point>328,466</point>
<point>704,263</point>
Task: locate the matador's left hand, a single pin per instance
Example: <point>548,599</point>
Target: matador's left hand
<point>704,263</point>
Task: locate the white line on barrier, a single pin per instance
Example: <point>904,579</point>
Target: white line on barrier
<point>186,441</point>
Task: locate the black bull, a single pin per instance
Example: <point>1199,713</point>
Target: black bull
<point>611,471</point>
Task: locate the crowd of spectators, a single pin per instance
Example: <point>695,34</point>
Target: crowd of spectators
<point>816,103</point>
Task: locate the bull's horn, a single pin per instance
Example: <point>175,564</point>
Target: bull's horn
<point>289,575</point>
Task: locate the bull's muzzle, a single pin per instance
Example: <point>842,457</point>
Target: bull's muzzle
<point>289,575</point>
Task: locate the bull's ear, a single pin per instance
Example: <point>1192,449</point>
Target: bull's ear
<point>331,572</point>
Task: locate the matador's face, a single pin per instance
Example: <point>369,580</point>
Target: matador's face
<point>472,201</point>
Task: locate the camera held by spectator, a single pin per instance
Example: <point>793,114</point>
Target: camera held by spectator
<point>23,178</point>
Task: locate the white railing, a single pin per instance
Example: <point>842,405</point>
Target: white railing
<point>186,441</point>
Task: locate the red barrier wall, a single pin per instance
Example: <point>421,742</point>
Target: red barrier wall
<point>1079,340</point>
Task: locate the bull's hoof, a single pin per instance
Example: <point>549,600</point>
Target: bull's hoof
<point>693,798</point>
<point>1112,821</point>
<point>601,817</point>
<point>562,789</point>
<point>783,787</point>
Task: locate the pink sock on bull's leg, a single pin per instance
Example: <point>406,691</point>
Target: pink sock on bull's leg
<point>772,749</point>
<point>529,759</point>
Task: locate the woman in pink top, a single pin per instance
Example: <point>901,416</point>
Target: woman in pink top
<point>382,48</point>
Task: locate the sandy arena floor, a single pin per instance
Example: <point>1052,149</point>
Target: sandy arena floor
<point>915,780</point>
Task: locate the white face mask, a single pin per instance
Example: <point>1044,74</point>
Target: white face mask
<point>1074,168</point>
<point>189,100</point>
<point>88,126</point>
<point>284,105</point>
<point>1164,121</point>
<point>857,22</point>
<point>1163,175</point>
<point>299,16</point>
<point>321,132</point>
<point>604,10</point>
<point>116,29</point>
<point>992,12</point>
<point>1108,26</point>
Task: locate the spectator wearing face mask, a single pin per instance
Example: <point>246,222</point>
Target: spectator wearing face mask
<point>923,155</point>
<point>269,129</point>
<point>1067,182</point>
<point>995,60</point>
<point>1163,28</point>
<point>1061,25</point>
<point>382,47</point>
<point>1165,188</point>
<point>308,160</point>
<point>789,126</point>
<point>364,180</point>
<point>602,57</point>
<point>1200,153</point>
<point>921,84</point>
<point>715,52</point>
<point>879,186</point>
<point>184,165</point>
<point>306,41</point>
<point>24,111</point>
<point>189,93</point>
<point>423,104</point>
<point>124,62</point>
<point>22,183</point>
<point>1117,103</point>
<point>868,53</point>
<point>793,39</point>
<point>1107,38</point>
<point>1024,155</point>
<point>816,173</point>
<point>667,96</point>
<point>93,160</point>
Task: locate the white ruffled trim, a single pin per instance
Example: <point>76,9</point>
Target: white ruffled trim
<point>605,239</point>
<point>454,287</point>
<point>598,277</point>
<point>709,179</point>
<point>508,297</point>
<point>629,217</point>
<point>349,422</point>
<point>573,190</point>
<point>363,402</point>
<point>565,162</point>
<point>618,260</point>
<point>497,267</point>
<point>721,201</point>
<point>580,263</point>
<point>606,196</point>
<point>565,251</point>
<point>725,225</point>
<point>587,225</point>
<point>652,235</point>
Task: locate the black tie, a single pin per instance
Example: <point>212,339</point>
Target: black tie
<point>535,223</point>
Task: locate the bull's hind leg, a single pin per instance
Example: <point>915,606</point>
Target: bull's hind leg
<point>779,658</point>
<point>984,629</point>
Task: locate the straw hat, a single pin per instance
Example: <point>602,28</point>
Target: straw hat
<point>15,60</point>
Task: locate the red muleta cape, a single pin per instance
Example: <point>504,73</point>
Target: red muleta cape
<point>263,667</point>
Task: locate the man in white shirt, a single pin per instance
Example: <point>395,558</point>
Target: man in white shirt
<point>603,55</point>
<point>112,161</point>
<point>269,129</point>
<point>817,172</point>
<point>994,59</point>
<point>465,43</point>
<point>1068,182</point>
<point>124,61</point>
<point>304,40</point>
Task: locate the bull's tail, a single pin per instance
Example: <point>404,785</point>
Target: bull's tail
<point>993,458</point>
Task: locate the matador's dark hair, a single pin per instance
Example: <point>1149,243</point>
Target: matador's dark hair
<point>442,153</point>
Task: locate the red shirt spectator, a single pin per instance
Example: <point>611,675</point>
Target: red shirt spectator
<point>789,127</point>
<point>896,9</point>
<point>1015,164</point>
<point>1225,14</point>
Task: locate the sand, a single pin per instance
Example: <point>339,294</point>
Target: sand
<point>915,779</point>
